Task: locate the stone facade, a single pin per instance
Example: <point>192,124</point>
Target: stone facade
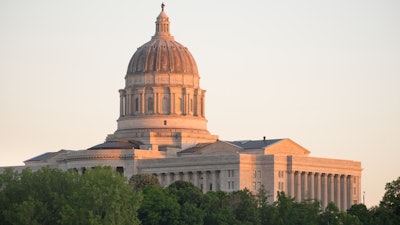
<point>162,130</point>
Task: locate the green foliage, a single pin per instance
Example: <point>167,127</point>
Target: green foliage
<point>391,199</point>
<point>217,208</point>
<point>158,207</point>
<point>138,181</point>
<point>103,196</point>
<point>51,196</point>
<point>361,211</point>
<point>189,198</point>
<point>245,207</point>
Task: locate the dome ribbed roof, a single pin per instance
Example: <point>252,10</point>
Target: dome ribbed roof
<point>162,53</point>
<point>165,56</point>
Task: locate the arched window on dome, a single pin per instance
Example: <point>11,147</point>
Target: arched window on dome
<point>150,105</point>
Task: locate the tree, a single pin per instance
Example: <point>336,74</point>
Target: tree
<point>286,208</point>
<point>138,181</point>
<point>107,198</point>
<point>363,214</point>
<point>186,192</point>
<point>267,212</point>
<point>217,208</point>
<point>52,196</point>
<point>330,215</point>
<point>245,207</point>
<point>158,207</point>
<point>391,199</point>
<point>189,198</point>
<point>308,211</point>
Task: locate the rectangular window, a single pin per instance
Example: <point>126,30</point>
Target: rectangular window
<point>120,170</point>
<point>280,186</point>
<point>258,185</point>
<point>254,186</point>
<point>255,174</point>
<point>259,174</point>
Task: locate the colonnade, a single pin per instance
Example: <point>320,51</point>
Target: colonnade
<point>157,100</point>
<point>208,180</point>
<point>326,187</point>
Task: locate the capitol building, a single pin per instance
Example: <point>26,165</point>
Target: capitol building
<point>162,130</point>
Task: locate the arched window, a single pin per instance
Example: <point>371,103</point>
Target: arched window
<point>165,105</point>
<point>136,105</point>
<point>150,105</point>
<point>181,105</point>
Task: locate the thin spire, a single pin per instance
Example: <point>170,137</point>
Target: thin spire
<point>162,6</point>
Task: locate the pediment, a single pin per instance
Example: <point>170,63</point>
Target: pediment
<point>286,147</point>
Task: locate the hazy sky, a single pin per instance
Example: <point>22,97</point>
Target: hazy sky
<point>325,74</point>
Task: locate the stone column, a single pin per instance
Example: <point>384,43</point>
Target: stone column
<point>142,100</point>
<point>337,191</point>
<point>318,186</point>
<point>312,186</point>
<point>291,183</point>
<point>184,101</point>
<point>325,190</point>
<point>202,107</point>
<point>298,186</point>
<point>331,188</point>
<point>214,180</point>
<point>167,179</point>
<point>304,184</point>
<point>127,103</point>
<point>351,191</point>
<point>185,176</point>
<point>121,102</point>
<point>205,181</point>
<point>196,179</point>
<point>344,192</point>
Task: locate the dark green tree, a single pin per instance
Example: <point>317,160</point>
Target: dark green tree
<point>363,214</point>
<point>189,198</point>
<point>218,210</point>
<point>52,196</point>
<point>333,216</point>
<point>391,199</point>
<point>186,192</point>
<point>287,211</point>
<point>138,181</point>
<point>107,198</point>
<point>158,207</point>
<point>308,211</point>
<point>268,212</point>
<point>245,207</point>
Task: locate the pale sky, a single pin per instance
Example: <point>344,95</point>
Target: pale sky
<point>325,74</point>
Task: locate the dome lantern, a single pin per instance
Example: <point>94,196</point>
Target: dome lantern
<point>162,25</point>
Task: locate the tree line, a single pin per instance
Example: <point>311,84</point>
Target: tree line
<point>103,196</point>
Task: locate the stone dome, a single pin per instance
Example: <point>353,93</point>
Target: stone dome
<point>162,53</point>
